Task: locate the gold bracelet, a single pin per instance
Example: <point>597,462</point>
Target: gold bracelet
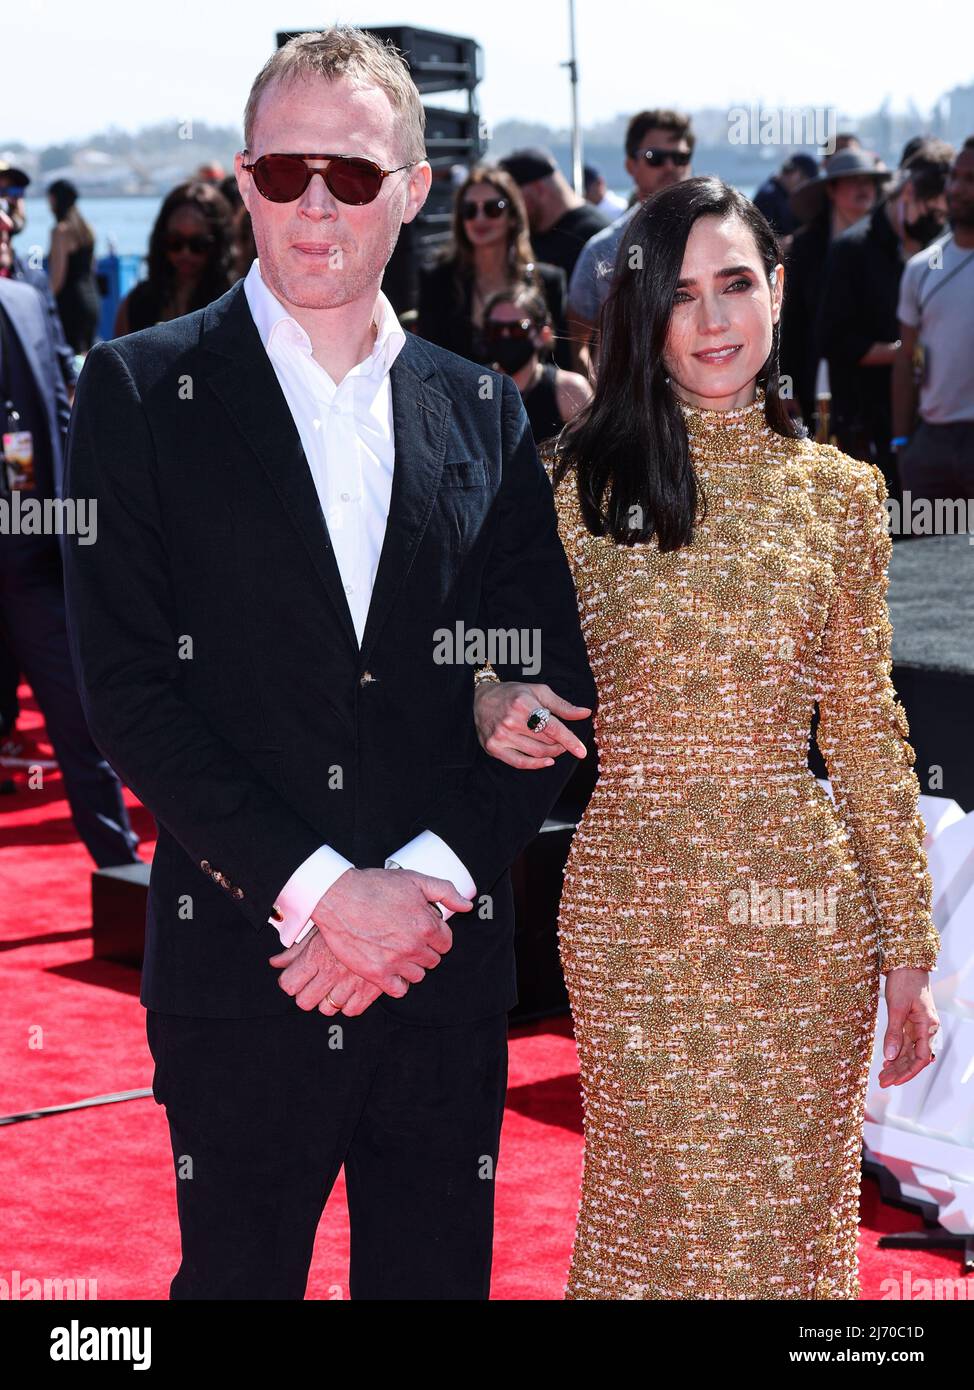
<point>485,673</point>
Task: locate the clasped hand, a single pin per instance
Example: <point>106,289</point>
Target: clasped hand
<point>377,932</point>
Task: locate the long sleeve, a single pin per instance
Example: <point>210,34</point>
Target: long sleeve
<point>300,895</point>
<point>427,853</point>
<point>863,730</point>
<point>528,587</point>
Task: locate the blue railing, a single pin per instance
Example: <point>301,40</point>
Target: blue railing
<point>119,274</point>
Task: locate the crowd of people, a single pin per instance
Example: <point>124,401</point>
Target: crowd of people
<point>872,355</point>
<point>675,352</point>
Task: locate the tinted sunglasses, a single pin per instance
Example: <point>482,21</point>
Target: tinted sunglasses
<point>495,331</point>
<point>681,158</point>
<point>491,207</point>
<point>199,245</point>
<point>282,178</point>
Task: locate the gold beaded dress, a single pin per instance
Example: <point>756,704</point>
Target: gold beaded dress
<point>722,925</point>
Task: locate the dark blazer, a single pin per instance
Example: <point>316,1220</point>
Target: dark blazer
<point>20,270</point>
<point>28,317</point>
<point>444,310</point>
<point>801,347</point>
<point>858,307</point>
<point>210,534</point>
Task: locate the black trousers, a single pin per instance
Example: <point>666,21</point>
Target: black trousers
<point>9,681</point>
<point>32,622</point>
<point>264,1111</point>
<point>938,462</point>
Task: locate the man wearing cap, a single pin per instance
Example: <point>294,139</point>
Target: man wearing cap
<point>13,183</point>
<point>561,222</point>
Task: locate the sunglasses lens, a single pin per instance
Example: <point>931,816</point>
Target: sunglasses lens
<point>355,181</point>
<point>281,178</point>
<point>491,207</point>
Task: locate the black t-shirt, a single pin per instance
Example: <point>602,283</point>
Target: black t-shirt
<point>561,244</point>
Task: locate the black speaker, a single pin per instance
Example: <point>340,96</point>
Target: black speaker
<point>437,63</point>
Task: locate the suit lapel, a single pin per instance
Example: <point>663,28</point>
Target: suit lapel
<point>240,373</point>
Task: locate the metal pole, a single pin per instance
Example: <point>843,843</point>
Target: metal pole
<point>572,66</point>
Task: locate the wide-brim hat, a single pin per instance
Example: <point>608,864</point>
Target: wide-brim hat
<point>809,199</point>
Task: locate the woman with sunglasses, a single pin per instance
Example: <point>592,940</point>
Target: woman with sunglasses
<point>723,923</point>
<point>516,334</point>
<point>190,259</point>
<point>489,251</point>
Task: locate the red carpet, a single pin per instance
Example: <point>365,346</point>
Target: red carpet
<point>90,1194</point>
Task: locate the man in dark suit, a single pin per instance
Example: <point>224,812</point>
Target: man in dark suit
<point>34,405</point>
<point>307,521</point>
<point>14,267</point>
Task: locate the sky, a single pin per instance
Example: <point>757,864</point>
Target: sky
<point>73,69</point>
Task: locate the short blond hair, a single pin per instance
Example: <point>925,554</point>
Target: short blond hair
<point>340,51</point>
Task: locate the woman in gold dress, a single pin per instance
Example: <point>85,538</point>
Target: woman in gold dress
<point>723,924</point>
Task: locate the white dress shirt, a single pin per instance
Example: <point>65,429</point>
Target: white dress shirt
<point>348,439</point>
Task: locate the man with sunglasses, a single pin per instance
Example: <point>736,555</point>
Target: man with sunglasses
<point>296,500</point>
<point>659,151</point>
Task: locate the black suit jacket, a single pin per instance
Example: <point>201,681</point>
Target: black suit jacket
<point>220,671</point>
<point>29,321</point>
<point>860,296</point>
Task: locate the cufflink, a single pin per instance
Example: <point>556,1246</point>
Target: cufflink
<point>277,914</point>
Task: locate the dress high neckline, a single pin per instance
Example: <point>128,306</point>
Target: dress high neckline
<point>741,435</point>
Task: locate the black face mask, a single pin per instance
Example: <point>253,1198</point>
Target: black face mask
<point>511,354</point>
<point>925,229</point>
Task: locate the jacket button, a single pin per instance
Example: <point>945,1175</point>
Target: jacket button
<point>366,677</point>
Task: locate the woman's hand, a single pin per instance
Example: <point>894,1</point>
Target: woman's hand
<point>912,1023</point>
<point>501,710</point>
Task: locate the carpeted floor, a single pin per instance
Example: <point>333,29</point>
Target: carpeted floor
<point>90,1194</point>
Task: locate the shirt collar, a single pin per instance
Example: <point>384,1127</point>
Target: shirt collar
<point>269,313</point>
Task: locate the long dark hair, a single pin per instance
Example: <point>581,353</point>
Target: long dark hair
<point>64,196</point>
<point>215,278</point>
<point>459,248</point>
<point>629,444</point>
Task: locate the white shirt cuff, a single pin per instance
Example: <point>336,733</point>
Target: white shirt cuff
<point>428,854</point>
<point>298,898</point>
